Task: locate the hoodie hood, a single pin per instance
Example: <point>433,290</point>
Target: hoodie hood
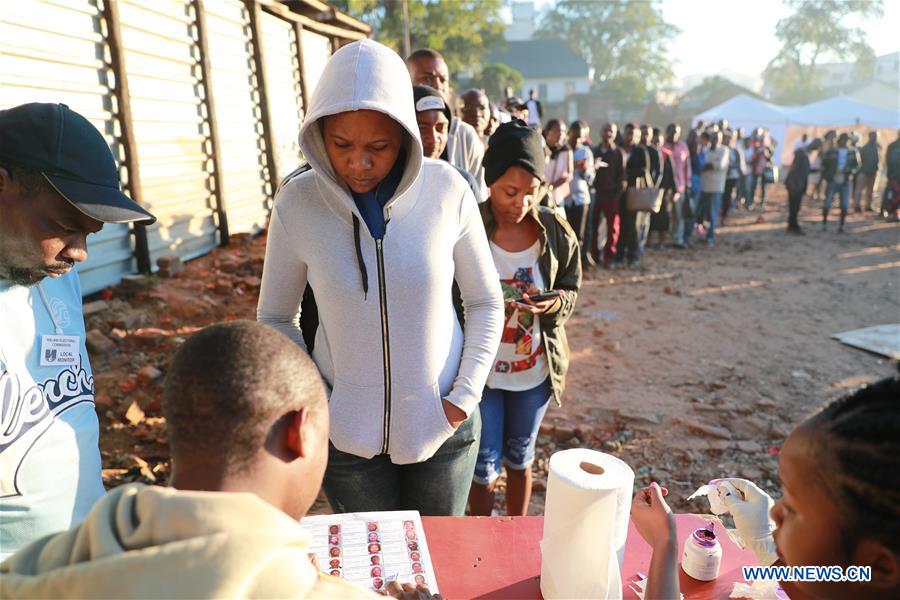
<point>364,75</point>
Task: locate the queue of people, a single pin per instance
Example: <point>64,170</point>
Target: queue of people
<point>387,399</point>
<point>848,172</point>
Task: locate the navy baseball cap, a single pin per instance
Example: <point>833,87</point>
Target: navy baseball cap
<point>74,158</point>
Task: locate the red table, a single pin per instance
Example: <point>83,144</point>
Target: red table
<point>500,558</point>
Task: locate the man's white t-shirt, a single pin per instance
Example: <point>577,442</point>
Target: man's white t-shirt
<point>534,117</point>
<point>49,454</point>
<point>520,363</point>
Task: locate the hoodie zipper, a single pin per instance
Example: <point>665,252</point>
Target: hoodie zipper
<point>385,345</point>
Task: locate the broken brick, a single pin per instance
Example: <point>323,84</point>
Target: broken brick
<point>103,399</point>
<point>98,343</point>
<point>223,287</point>
<point>151,336</point>
<point>117,335</point>
<point>749,447</point>
<point>229,264</point>
<point>94,307</point>
<point>169,265</point>
<point>251,281</point>
<point>719,444</point>
<point>710,430</point>
<point>129,319</point>
<point>129,383</point>
<point>148,374</point>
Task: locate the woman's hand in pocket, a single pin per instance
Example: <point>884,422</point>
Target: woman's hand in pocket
<point>455,415</point>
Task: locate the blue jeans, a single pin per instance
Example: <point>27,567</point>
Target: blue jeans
<point>676,216</point>
<point>509,429</point>
<point>762,190</point>
<point>711,202</point>
<point>837,188</point>
<point>743,183</point>
<point>642,225</point>
<point>746,191</point>
<point>694,199</point>
<point>438,486</point>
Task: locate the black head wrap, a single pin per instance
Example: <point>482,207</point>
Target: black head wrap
<point>513,144</point>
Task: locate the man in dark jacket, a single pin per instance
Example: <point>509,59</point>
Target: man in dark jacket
<point>869,157</point>
<point>609,184</point>
<point>892,159</point>
<point>796,182</point>
<point>890,199</point>
<point>838,167</point>
<point>635,224</point>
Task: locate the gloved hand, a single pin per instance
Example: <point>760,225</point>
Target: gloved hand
<point>752,520</point>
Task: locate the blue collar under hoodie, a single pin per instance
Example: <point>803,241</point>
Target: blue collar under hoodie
<point>371,203</point>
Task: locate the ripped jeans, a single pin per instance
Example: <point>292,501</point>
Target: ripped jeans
<point>509,429</point>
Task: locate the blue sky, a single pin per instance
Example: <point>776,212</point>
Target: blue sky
<point>742,52</point>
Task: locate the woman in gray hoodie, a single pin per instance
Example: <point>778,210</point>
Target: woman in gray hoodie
<point>380,233</point>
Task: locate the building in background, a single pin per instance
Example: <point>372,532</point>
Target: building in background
<point>549,67</point>
<point>521,27</point>
<point>845,75</point>
<point>200,100</point>
<point>881,89</point>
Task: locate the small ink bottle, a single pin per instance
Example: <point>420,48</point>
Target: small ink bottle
<point>702,554</point>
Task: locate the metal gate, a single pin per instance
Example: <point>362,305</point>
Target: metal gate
<point>241,140</point>
<point>316,51</point>
<point>279,41</point>
<point>169,124</point>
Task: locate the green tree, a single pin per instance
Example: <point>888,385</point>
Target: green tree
<point>462,30</point>
<point>624,42</point>
<point>818,30</point>
<point>495,78</point>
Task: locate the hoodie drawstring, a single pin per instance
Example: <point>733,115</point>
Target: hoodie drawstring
<point>363,272</point>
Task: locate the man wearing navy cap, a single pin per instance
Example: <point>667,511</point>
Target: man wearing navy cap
<point>58,184</point>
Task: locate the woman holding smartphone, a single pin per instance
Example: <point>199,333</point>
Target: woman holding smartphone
<point>538,260</point>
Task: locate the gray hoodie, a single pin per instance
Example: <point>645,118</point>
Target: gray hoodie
<point>392,353</point>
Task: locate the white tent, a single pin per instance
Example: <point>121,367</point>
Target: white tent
<point>842,111</point>
<point>745,111</point>
<point>878,93</point>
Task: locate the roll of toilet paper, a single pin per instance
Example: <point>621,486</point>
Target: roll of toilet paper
<point>585,525</point>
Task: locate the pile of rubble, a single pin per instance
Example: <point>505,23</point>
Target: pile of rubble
<point>134,329</point>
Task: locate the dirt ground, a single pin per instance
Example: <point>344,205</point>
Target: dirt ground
<point>694,365</point>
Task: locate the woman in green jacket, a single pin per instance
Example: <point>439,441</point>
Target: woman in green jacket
<point>538,260</point>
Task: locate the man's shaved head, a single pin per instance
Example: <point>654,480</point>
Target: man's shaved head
<point>428,67</point>
<point>425,53</point>
<point>229,387</point>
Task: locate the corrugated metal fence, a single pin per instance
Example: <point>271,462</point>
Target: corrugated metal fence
<point>200,100</point>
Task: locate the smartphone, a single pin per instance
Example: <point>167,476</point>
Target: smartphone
<point>539,297</point>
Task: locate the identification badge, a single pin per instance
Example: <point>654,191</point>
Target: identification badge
<point>60,350</point>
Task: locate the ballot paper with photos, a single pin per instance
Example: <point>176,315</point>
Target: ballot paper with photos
<point>371,549</point>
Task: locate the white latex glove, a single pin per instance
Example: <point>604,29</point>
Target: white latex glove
<point>752,520</point>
